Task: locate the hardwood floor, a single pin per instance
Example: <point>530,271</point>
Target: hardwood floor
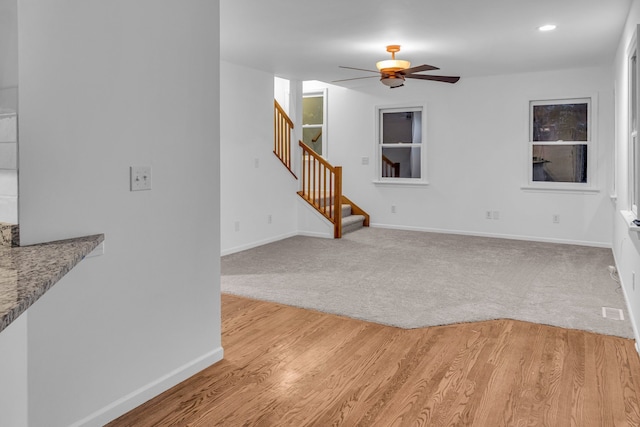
<point>286,366</point>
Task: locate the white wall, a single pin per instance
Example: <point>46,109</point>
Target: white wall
<point>8,43</point>
<point>626,243</point>
<point>13,374</point>
<point>254,183</point>
<point>477,157</point>
<point>282,93</point>
<point>8,108</point>
<point>106,85</point>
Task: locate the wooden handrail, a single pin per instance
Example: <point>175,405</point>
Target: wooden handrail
<point>283,113</point>
<point>282,127</point>
<point>322,187</point>
<point>308,150</point>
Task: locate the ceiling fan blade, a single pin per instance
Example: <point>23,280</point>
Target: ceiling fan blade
<point>355,78</point>
<point>445,79</point>
<point>359,69</point>
<point>419,68</point>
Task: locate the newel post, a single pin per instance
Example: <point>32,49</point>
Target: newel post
<point>337,203</point>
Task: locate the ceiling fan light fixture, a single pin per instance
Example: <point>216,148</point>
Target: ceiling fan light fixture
<point>392,80</point>
<point>393,65</point>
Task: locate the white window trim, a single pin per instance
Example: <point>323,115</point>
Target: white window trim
<point>613,195</point>
<point>408,182</point>
<point>325,139</point>
<point>632,134</point>
<point>592,147</point>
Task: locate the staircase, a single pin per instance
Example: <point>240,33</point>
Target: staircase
<point>321,184</point>
<point>352,217</point>
<point>350,221</point>
<point>322,189</point>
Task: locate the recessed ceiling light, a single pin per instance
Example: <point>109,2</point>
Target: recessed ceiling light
<point>548,27</point>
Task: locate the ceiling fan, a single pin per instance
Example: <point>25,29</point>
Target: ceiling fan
<point>393,71</point>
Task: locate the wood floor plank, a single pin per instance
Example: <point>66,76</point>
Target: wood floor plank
<point>593,384</point>
<point>454,385</point>
<point>414,399</point>
<point>517,380</point>
<point>481,372</point>
<point>302,370</point>
<point>500,375</point>
<point>417,348</point>
<point>617,382</point>
<point>572,381</point>
<point>334,400</point>
<point>289,366</point>
<point>631,373</point>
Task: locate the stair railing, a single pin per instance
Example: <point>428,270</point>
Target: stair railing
<point>390,168</point>
<point>322,187</point>
<point>282,127</point>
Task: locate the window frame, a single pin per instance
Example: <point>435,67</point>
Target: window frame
<point>401,108</point>
<point>633,147</point>
<point>590,143</point>
<point>323,127</point>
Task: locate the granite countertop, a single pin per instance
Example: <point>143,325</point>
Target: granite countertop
<point>27,272</point>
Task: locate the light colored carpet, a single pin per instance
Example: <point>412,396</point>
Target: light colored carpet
<point>415,279</point>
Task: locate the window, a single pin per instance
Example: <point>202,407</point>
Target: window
<point>400,147</point>
<point>559,143</point>
<point>314,122</point>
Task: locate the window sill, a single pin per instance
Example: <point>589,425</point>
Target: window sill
<point>628,218</point>
<point>576,190</point>
<point>401,183</point>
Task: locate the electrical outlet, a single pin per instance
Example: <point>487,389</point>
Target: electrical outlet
<point>237,225</point>
<point>140,178</point>
<point>393,208</point>
<point>496,214</point>
<point>256,163</point>
<point>365,161</point>
<point>487,215</point>
<point>269,219</point>
<point>556,219</point>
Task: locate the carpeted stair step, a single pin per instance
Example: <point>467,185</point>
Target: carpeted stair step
<point>349,222</point>
<point>352,223</point>
<point>346,210</point>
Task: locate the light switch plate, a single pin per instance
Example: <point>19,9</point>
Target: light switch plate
<point>140,178</point>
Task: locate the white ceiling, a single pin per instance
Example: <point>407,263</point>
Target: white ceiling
<point>305,40</point>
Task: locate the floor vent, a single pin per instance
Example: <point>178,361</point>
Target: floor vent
<point>612,313</point>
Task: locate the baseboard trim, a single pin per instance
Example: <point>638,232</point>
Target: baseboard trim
<point>495,235</point>
<point>257,243</point>
<point>148,391</point>
<point>315,234</point>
